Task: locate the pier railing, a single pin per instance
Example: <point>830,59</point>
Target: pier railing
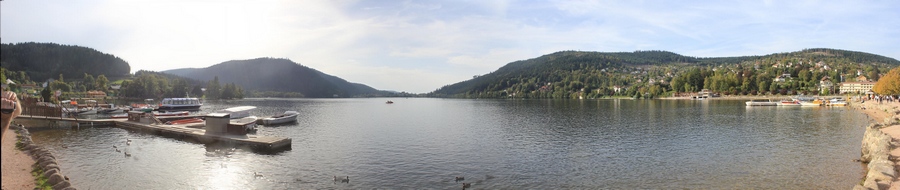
<point>30,106</point>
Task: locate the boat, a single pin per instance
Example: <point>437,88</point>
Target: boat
<point>241,116</point>
<point>192,104</point>
<point>761,102</point>
<point>238,112</point>
<point>789,103</point>
<point>837,102</point>
<point>185,121</point>
<point>288,116</point>
<point>389,102</point>
<point>111,110</point>
<point>179,113</point>
<point>814,102</point>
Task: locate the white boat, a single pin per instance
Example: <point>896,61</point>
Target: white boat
<point>288,116</point>
<point>789,103</point>
<point>238,112</point>
<point>157,114</point>
<point>241,115</point>
<point>180,104</point>
<point>112,110</point>
<point>837,102</point>
<point>761,102</point>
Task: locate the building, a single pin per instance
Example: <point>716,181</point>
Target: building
<point>856,87</point>
<point>862,78</point>
<point>783,77</point>
<point>825,85</point>
<point>96,94</point>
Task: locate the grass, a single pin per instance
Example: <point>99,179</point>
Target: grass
<point>40,182</point>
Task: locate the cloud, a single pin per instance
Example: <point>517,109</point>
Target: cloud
<point>418,46</point>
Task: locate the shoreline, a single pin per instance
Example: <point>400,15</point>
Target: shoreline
<point>27,165</point>
<point>880,148</point>
<point>16,169</point>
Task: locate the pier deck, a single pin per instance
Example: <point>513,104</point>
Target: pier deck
<point>253,141</point>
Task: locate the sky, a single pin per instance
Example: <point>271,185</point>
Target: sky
<point>420,46</point>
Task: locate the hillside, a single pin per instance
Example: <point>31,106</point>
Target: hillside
<point>280,75</point>
<point>48,60</point>
<point>577,74</point>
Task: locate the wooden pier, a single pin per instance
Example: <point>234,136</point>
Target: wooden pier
<point>262,143</point>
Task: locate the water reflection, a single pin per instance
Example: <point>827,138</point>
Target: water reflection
<point>495,144</point>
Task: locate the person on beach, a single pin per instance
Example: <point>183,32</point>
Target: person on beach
<point>10,108</point>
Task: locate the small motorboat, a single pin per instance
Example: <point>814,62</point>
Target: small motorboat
<point>389,102</point>
<point>837,102</point>
<point>789,103</point>
<point>110,110</point>
<point>185,121</point>
<point>179,113</point>
<point>288,116</point>
<point>761,102</point>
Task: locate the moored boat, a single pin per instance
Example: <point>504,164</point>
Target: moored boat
<point>190,104</point>
<point>185,121</point>
<point>837,102</point>
<point>761,102</point>
<point>111,110</point>
<point>241,116</point>
<point>789,103</point>
<point>288,116</point>
<point>814,102</point>
<point>179,113</point>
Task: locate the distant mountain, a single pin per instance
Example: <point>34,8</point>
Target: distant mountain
<point>47,60</point>
<point>579,74</point>
<point>281,75</point>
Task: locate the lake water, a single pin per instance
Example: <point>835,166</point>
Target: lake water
<point>495,144</point>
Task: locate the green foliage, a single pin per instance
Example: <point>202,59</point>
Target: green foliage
<point>573,74</point>
<point>46,60</point>
<point>47,93</point>
<point>148,84</point>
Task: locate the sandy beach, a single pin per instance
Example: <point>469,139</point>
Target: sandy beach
<point>16,165</point>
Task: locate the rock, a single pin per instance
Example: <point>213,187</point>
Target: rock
<point>51,166</point>
<point>47,162</point>
<point>55,179</point>
<point>62,185</point>
<point>870,184</point>
<point>45,158</point>
<point>48,173</point>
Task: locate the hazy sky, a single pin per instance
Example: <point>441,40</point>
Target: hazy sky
<point>419,46</point>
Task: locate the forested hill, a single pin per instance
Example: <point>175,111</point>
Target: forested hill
<point>577,74</point>
<point>48,60</point>
<point>279,75</point>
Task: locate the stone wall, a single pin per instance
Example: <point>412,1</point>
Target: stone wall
<point>44,159</point>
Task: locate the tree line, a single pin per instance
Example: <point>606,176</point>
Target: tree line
<point>572,74</point>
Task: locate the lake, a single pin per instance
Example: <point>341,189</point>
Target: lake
<point>495,144</point>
